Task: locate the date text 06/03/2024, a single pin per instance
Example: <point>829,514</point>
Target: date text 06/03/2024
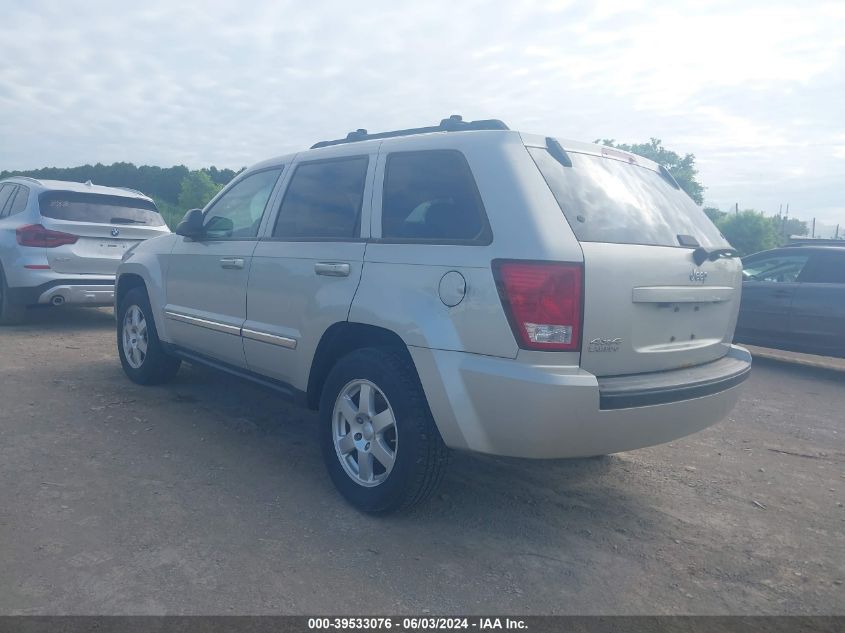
<point>430,623</point>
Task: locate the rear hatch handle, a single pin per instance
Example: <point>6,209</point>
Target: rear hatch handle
<point>701,254</point>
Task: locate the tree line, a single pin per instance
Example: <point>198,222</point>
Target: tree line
<point>177,189</point>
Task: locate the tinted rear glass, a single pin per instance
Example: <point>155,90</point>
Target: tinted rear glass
<point>826,268</point>
<point>101,209</point>
<point>323,200</point>
<point>430,195</point>
<point>608,200</point>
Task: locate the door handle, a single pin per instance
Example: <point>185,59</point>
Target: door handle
<point>332,269</point>
<point>231,262</point>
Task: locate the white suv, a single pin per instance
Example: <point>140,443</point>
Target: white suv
<point>461,286</point>
<point>61,242</point>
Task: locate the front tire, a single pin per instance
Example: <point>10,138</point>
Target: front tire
<point>141,352</point>
<point>379,440</point>
<point>11,313</point>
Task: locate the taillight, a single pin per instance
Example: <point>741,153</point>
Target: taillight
<point>37,235</point>
<point>543,302</point>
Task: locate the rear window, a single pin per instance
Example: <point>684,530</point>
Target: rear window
<point>608,200</point>
<point>98,208</point>
<point>826,268</point>
<point>323,200</point>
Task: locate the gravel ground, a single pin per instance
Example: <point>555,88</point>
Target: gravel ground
<point>209,496</point>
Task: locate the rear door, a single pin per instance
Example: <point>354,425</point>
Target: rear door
<point>206,278</point>
<point>306,270</point>
<point>817,317</point>
<point>647,305</point>
<point>770,281</point>
<point>106,226</point>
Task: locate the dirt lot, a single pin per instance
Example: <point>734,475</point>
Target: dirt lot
<point>209,496</point>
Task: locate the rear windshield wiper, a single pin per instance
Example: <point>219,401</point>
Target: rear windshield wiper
<point>701,254</point>
<point>126,221</point>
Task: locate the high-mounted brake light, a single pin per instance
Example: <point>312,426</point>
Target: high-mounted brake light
<point>543,303</point>
<point>613,153</point>
<point>36,235</point>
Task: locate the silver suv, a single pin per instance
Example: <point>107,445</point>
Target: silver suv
<point>61,242</point>
<point>461,286</point>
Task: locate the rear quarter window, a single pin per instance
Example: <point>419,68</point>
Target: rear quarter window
<point>19,203</point>
<point>610,200</point>
<point>431,196</point>
<point>98,208</point>
<point>6,191</point>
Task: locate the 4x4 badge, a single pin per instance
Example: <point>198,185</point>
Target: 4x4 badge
<point>605,345</point>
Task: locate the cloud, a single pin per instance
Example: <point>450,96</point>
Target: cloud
<point>754,89</point>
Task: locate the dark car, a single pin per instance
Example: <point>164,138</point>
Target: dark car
<point>794,298</point>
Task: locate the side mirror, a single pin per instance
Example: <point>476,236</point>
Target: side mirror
<point>191,224</point>
<point>219,226</point>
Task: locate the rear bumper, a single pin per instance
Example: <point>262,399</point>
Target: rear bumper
<point>79,294</point>
<point>640,390</point>
<point>97,291</point>
<point>501,407</point>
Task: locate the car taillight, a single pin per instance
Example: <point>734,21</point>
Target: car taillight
<point>543,302</point>
<point>37,235</point>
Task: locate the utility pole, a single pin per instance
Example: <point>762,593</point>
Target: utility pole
<point>736,208</point>
<point>814,228</point>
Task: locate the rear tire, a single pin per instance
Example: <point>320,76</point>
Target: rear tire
<point>141,352</point>
<point>379,440</point>
<point>11,313</point>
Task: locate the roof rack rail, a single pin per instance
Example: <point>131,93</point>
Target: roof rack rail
<point>30,178</point>
<point>140,193</point>
<point>454,123</point>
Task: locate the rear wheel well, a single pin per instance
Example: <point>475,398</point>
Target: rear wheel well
<point>126,283</point>
<point>338,341</point>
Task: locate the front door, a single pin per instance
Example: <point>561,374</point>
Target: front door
<point>306,270</point>
<point>207,276</point>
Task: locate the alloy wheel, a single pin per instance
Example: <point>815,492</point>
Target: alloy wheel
<point>135,339</point>
<point>364,433</point>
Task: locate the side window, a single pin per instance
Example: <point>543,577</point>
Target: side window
<point>826,268</point>
<point>431,195</point>
<point>323,200</point>
<point>779,268</point>
<point>19,203</point>
<point>238,212</point>
<point>6,192</point>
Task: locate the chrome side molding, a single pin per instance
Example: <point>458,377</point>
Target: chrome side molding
<point>255,335</point>
<point>272,339</point>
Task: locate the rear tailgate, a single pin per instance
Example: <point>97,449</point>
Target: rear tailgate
<point>650,308</point>
<point>106,227</point>
<point>647,305</point>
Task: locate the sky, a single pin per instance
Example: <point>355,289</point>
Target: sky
<point>756,90</point>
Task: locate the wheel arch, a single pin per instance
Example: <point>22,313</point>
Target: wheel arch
<point>125,283</point>
<point>339,340</point>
